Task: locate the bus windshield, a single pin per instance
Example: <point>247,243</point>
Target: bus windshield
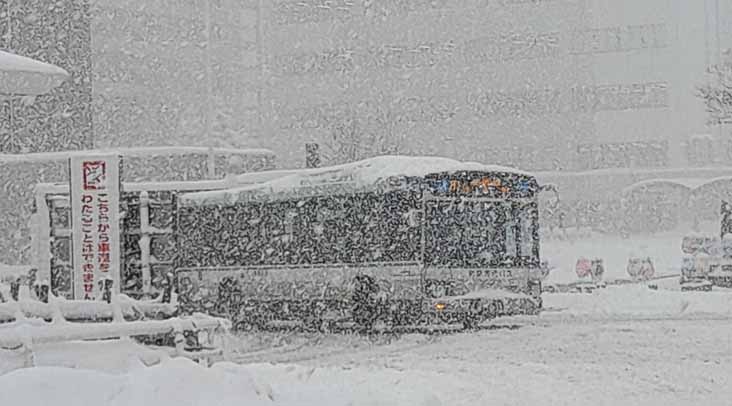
<point>479,233</point>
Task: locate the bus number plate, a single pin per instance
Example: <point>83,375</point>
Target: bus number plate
<point>491,274</point>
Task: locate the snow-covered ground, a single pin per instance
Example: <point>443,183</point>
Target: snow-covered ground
<point>625,344</point>
<point>637,302</point>
<point>664,249</point>
<point>622,345</point>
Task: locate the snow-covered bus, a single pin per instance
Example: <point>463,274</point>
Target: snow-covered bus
<point>394,240</point>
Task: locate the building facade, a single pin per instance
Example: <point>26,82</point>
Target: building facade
<point>668,43</point>
<point>175,72</point>
<point>569,85</point>
<point>487,80</point>
<point>548,85</point>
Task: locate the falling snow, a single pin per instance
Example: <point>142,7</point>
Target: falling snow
<point>366,202</point>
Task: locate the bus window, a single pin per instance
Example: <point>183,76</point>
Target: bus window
<point>527,224</point>
<point>511,238</point>
<point>469,238</point>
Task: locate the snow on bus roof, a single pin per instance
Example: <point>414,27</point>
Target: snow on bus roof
<point>130,152</point>
<point>351,176</point>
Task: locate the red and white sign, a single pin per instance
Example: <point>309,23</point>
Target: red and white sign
<point>641,268</point>
<point>583,267</point>
<point>95,199</point>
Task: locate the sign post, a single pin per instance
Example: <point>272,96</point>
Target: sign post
<point>95,200</point>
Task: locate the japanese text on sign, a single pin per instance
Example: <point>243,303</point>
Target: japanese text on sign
<point>95,216</point>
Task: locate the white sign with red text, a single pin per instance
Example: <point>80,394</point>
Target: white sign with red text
<point>95,200</point>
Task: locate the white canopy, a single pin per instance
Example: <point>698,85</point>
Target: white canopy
<point>721,185</point>
<point>21,76</point>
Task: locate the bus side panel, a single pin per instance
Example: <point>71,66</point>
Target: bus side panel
<point>483,292</point>
<point>224,291</point>
<point>471,280</point>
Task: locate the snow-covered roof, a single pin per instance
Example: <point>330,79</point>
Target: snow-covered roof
<point>690,184</point>
<point>21,76</point>
<point>264,176</point>
<point>686,183</point>
<point>130,152</point>
<point>9,272</point>
<point>353,176</point>
<point>658,172</point>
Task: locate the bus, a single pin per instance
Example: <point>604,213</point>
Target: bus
<point>390,240</point>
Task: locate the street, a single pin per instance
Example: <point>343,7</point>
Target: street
<point>551,360</point>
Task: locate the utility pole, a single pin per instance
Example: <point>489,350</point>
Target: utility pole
<point>260,69</point>
<point>720,127</point>
<point>211,164</point>
<point>209,73</point>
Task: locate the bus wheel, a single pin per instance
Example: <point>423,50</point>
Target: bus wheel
<point>327,326</point>
<point>492,310</point>
<point>470,321</point>
<point>364,319</point>
<point>245,326</point>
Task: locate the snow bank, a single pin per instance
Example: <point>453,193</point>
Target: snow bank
<point>118,377</point>
<point>12,272</point>
<point>361,174</point>
<point>180,382</point>
<point>18,63</point>
<point>663,249</point>
<point>176,382</point>
<point>25,76</point>
<point>466,370</point>
<point>109,356</point>
<point>638,302</point>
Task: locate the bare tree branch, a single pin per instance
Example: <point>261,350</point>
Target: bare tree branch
<point>717,95</point>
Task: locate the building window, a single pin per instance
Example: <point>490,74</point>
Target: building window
<point>700,150</point>
<point>637,154</point>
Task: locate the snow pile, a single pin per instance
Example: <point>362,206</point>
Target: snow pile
<point>10,273</point>
<point>663,249</point>
<point>25,76</point>
<point>363,173</point>
<point>17,63</point>
<point>109,356</point>
<point>177,382</point>
<point>111,374</point>
<point>638,301</point>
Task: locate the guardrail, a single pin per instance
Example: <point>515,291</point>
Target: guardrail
<point>36,323</point>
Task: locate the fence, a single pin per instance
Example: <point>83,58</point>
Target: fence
<point>20,173</point>
<point>26,323</point>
